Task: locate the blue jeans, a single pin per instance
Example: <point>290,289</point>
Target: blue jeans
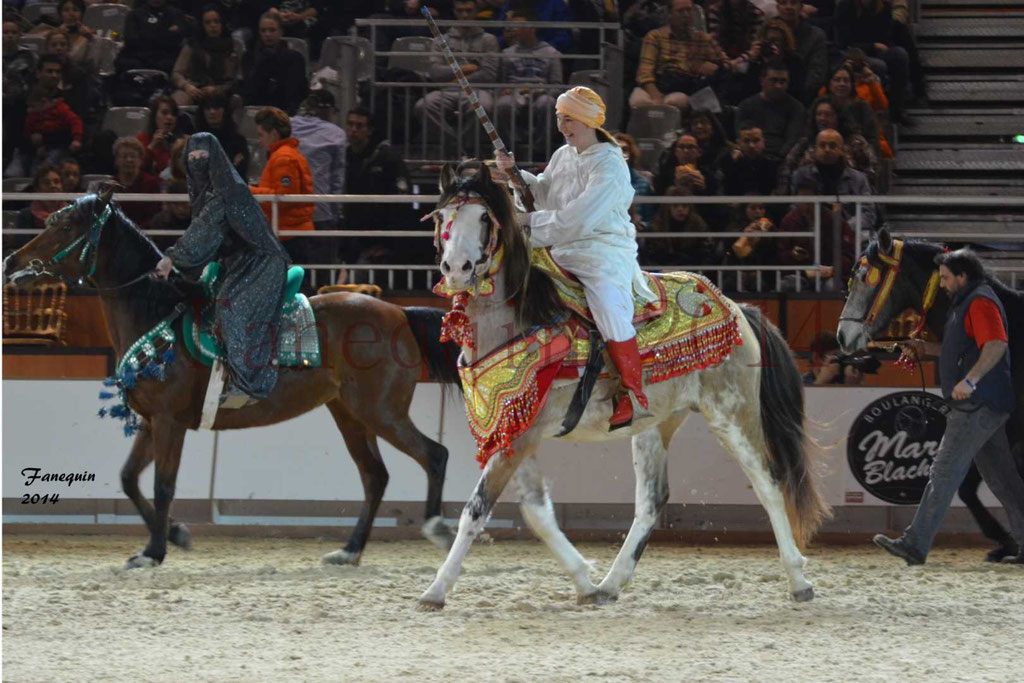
<point>980,436</point>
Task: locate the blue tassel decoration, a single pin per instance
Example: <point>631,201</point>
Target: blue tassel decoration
<point>106,395</point>
<point>110,382</point>
<point>103,412</point>
<point>167,357</point>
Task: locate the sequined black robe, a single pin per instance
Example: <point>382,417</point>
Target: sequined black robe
<point>229,226</point>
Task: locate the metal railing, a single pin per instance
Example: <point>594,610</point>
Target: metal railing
<point>408,128</point>
<point>768,277</point>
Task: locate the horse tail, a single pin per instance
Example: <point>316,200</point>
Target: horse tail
<point>441,357</point>
<point>782,421</point>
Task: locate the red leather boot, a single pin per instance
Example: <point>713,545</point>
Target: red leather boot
<point>626,357</point>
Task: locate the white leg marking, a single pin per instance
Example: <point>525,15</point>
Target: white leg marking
<point>540,515</point>
<point>649,466</point>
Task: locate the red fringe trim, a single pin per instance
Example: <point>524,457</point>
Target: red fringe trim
<point>517,416</point>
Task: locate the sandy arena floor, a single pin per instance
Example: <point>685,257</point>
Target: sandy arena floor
<point>266,610</point>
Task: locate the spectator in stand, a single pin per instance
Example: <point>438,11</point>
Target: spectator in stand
<point>207,64</point>
<point>274,75</point>
<point>52,128</point>
<point>710,136</point>
<point>78,34</point>
<point>19,73</point>
<point>544,10</point>
<point>749,249</point>
<point>33,217</point>
<point>173,216</point>
<point>778,114</point>
<point>323,144</point>
<point>70,175</point>
<point>129,156</point>
<point>856,110</point>
<point>824,114</point>
<point>175,170</point>
<point>677,251</point>
<point>902,36</point>
<point>286,172</point>
<point>79,85</point>
<point>821,12</point>
<point>811,45</point>
<point>214,117</point>
<point>834,176</point>
<point>748,168</point>
<point>675,61</point>
<point>799,251</point>
<point>442,107</point>
<point>153,33</point>
<point>531,109</point>
<point>638,178</point>
<point>735,24</point>
<point>776,45</point>
<point>373,166</point>
<point>160,134</point>
<point>681,164</point>
<point>868,25</point>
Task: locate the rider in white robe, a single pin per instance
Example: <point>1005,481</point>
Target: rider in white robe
<point>582,201</point>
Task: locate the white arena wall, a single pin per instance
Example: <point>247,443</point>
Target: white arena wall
<point>298,474</point>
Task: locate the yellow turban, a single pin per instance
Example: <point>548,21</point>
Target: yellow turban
<point>582,104</point>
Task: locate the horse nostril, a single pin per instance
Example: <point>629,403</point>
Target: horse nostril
<point>467,266</point>
<point>445,268</point>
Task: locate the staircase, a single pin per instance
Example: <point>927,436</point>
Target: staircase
<point>972,52</point>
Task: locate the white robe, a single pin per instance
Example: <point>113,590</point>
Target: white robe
<point>582,203</point>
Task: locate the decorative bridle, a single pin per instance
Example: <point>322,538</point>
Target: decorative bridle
<point>891,263</point>
<point>88,241</point>
<point>456,326</point>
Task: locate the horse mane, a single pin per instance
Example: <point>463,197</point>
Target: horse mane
<point>533,293</point>
<point>149,299</point>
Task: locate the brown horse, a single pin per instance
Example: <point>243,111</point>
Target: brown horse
<point>371,361</point>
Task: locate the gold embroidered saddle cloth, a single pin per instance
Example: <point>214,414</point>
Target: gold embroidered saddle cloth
<point>689,327</point>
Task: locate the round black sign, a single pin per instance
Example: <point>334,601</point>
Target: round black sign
<point>893,442</point>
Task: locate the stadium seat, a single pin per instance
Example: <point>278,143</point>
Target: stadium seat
<point>414,63</point>
<point>16,184</point>
<point>331,53</point>
<point>653,121</point>
<point>102,52</point>
<point>107,19</point>
<point>34,13</point>
<point>246,122</point>
<point>302,47</point>
<point>650,152</point>
<point>10,219</point>
<point>34,43</point>
<point>126,121</point>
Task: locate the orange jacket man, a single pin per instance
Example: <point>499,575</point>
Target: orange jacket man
<point>286,172</point>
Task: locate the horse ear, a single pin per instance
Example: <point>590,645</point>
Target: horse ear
<point>884,241</point>
<point>106,193</point>
<point>448,178</point>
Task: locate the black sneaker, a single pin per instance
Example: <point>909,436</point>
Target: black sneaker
<point>895,546</point>
<point>1014,559</point>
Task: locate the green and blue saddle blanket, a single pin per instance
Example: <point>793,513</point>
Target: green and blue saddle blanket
<point>153,353</point>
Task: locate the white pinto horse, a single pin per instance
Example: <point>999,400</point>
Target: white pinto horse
<point>752,400</point>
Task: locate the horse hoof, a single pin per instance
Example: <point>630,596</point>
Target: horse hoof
<point>141,561</point>
<point>342,557</point>
<point>429,606</point>
<point>180,536</point>
<point>438,533</point>
<point>805,595</point>
<point>598,597</point>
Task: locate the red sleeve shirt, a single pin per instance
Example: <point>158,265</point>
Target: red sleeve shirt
<point>983,322</point>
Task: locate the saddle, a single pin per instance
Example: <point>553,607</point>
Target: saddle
<point>690,326</point>
<point>298,342</point>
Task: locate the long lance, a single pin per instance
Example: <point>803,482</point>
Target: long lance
<point>517,178</point>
